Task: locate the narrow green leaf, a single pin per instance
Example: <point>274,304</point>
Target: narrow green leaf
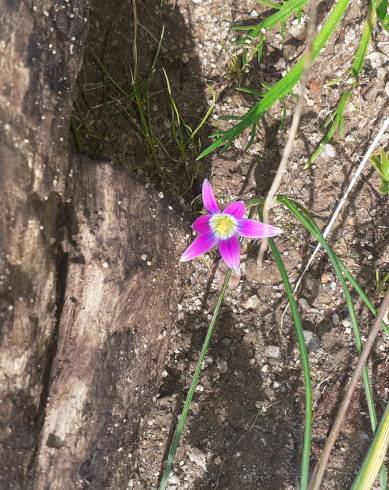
<point>282,15</point>
<point>251,91</point>
<point>305,460</point>
<point>360,55</point>
<point>382,12</point>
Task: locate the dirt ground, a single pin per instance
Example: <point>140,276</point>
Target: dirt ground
<point>246,424</point>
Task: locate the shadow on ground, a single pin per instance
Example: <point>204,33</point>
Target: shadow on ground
<point>122,108</point>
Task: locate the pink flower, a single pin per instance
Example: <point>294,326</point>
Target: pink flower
<point>223,229</point>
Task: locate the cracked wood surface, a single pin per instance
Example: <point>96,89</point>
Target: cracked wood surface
<point>84,321</point>
<point>113,330</point>
<point>40,55</point>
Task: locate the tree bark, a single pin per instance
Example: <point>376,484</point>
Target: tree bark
<point>40,55</point>
<point>113,329</point>
<point>88,273</point>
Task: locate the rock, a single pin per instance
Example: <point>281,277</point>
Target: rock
<point>335,319</point>
<point>252,303</point>
<point>222,365</point>
<point>329,151</point>
<point>254,14</point>
<point>376,59</point>
<point>173,480</point>
<point>323,298</point>
<point>304,305</point>
<point>346,322</point>
<point>198,457</point>
<point>272,351</point>
<point>298,31</point>
<point>312,341</point>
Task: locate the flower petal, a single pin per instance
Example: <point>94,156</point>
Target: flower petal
<point>235,209</point>
<point>201,245</point>
<point>230,251</point>
<point>209,200</point>
<point>254,229</point>
<point>201,224</point>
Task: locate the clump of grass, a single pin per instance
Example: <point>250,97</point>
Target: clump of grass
<point>170,150</point>
<point>336,120</point>
<point>283,87</point>
<point>253,42</point>
<point>342,276</point>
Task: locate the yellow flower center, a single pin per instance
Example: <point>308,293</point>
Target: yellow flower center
<point>223,225</point>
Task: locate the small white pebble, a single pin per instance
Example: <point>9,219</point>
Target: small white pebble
<point>160,195</point>
<point>143,257</point>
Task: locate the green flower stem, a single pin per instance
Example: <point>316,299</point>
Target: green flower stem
<point>195,381</point>
<point>304,363</point>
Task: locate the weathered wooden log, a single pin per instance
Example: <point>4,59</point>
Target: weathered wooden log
<point>87,273</point>
<point>40,55</point>
<point>113,330</point>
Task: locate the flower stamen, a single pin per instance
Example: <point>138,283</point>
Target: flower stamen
<point>223,225</point>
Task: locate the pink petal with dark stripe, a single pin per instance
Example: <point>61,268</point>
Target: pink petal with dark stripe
<point>201,245</point>
<point>209,200</point>
<point>230,251</point>
<point>235,209</point>
<point>254,229</point>
<point>201,224</point>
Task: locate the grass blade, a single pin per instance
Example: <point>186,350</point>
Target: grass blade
<point>206,116</point>
<point>360,55</point>
<point>195,380</point>
<point>281,16</point>
<point>375,457</point>
<point>285,85</point>
<point>311,226</point>
<point>358,288</point>
<point>304,478</point>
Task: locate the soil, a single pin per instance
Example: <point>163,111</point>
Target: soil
<point>246,423</point>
